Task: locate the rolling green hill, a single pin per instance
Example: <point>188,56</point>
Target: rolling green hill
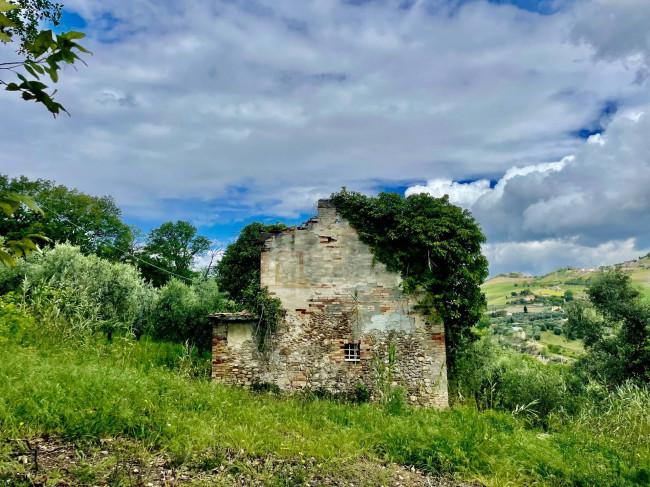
<point>498,290</point>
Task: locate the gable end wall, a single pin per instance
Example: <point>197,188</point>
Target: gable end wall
<point>335,293</point>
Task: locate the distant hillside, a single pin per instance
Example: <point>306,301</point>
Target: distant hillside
<point>499,289</point>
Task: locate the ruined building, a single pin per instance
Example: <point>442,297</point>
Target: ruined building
<point>344,312</point>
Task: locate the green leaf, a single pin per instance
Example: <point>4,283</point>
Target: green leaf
<point>31,71</point>
<point>38,237</point>
<point>7,208</point>
<point>73,35</point>
<point>6,6</point>
<point>82,49</point>
<point>15,248</point>
<point>12,87</point>
<point>5,37</point>
<point>29,202</point>
<point>35,86</point>
<point>9,202</point>
<point>27,244</point>
<point>6,22</point>
<point>42,43</point>
<point>36,67</point>
<point>7,259</point>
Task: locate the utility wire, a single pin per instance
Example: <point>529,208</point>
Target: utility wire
<point>123,252</point>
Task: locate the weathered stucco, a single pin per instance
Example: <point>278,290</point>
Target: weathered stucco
<point>334,294</point>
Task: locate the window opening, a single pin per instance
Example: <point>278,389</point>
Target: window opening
<point>352,352</point>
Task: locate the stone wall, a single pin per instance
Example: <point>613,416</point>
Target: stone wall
<point>334,294</point>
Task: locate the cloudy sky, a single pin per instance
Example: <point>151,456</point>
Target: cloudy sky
<point>533,114</point>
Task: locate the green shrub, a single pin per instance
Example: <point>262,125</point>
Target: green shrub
<point>84,291</point>
<point>14,320</point>
<point>493,378</point>
<point>361,393</point>
<point>180,311</point>
<point>554,348</point>
<point>557,331</point>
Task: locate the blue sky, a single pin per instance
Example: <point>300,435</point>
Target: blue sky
<point>530,113</point>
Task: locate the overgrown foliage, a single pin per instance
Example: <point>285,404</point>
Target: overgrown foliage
<point>615,329</point>
<point>239,269</point>
<point>238,274</point>
<point>490,377</point>
<point>81,293</point>
<point>436,246</point>
<point>180,311</point>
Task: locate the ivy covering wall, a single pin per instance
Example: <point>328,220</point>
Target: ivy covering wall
<point>435,246</point>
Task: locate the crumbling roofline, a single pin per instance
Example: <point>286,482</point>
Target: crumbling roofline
<point>240,316</point>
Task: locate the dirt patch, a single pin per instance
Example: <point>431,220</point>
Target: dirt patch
<point>49,461</point>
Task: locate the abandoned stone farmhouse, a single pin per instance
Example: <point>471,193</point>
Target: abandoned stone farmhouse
<point>344,312</point>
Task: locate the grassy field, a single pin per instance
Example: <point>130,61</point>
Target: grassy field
<point>549,338</point>
<point>136,403</point>
<point>557,344</point>
<point>497,290</point>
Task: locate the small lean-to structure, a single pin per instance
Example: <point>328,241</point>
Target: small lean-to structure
<point>345,313</point>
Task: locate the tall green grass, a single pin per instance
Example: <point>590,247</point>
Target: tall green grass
<point>98,389</point>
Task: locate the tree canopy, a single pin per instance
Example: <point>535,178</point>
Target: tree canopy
<point>615,329</point>
<point>435,245</point>
<point>239,269</point>
<point>171,248</point>
<point>92,223</point>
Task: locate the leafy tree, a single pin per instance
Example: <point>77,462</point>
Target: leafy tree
<point>171,248</point>
<point>238,273</point>
<point>40,52</point>
<point>615,329</point>
<point>435,245</point>
<point>568,295</point>
<point>525,309</point>
<point>239,269</point>
<point>92,223</point>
